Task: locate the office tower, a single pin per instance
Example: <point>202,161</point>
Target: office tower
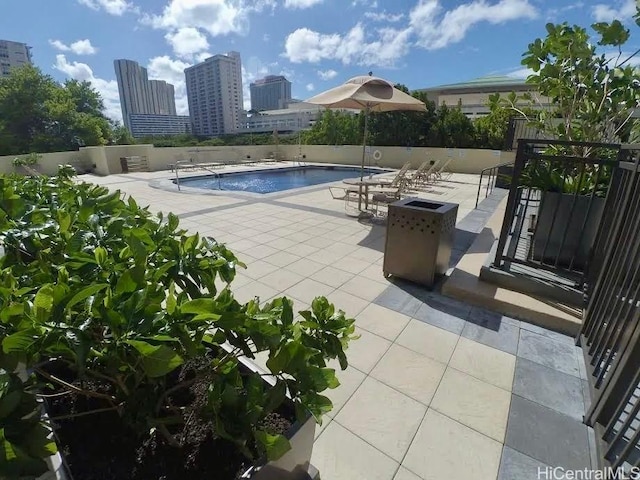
<point>139,95</point>
<point>150,125</point>
<point>163,98</point>
<point>270,93</point>
<point>214,92</point>
<point>13,54</point>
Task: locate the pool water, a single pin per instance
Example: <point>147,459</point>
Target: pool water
<point>277,180</point>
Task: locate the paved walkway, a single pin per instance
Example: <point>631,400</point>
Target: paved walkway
<point>436,389</point>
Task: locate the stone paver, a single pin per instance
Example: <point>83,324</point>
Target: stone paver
<point>436,388</point>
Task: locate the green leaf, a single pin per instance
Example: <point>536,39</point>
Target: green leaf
<point>101,255</point>
<point>199,306</point>
<point>275,446</point>
<point>126,283</point>
<point>157,360</point>
<point>85,293</point>
<point>19,341</point>
<point>43,302</point>
<point>64,221</point>
<point>171,298</point>
<point>324,378</point>
<point>173,222</point>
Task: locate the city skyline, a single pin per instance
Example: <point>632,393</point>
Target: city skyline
<point>316,44</point>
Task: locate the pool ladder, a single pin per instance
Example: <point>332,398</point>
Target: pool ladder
<point>214,173</point>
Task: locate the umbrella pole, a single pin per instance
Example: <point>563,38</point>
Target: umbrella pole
<point>364,141</point>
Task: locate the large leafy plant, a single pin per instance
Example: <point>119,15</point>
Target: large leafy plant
<point>94,288</point>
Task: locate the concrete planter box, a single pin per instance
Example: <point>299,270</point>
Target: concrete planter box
<point>293,465</point>
<point>578,242</point>
<point>419,239</point>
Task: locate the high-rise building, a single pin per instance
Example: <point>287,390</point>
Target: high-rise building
<point>272,92</point>
<point>147,125</point>
<point>139,95</point>
<point>13,54</point>
<point>163,97</point>
<point>214,92</point>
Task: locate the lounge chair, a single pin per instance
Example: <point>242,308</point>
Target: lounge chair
<point>399,180</point>
<point>441,173</point>
<point>423,173</point>
<point>385,197</point>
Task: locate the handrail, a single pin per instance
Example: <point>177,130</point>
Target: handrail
<point>492,176</point>
<point>195,165</point>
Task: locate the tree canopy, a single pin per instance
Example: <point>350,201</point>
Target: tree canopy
<point>37,114</point>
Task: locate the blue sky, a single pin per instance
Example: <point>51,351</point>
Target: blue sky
<point>315,43</point>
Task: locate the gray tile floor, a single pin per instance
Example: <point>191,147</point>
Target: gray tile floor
<point>436,389</point>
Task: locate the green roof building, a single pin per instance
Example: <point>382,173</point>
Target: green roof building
<point>473,96</point>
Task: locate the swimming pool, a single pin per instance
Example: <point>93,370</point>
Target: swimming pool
<point>276,180</point>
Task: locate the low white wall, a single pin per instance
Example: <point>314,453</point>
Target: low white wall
<point>49,162</point>
<point>106,160</point>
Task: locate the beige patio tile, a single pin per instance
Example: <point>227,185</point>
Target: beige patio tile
<point>367,254</point>
<point>351,265</point>
<point>383,417</point>
<point>382,321</point>
<point>332,276</point>
<point>300,236</point>
<point>325,258</point>
<point>350,304</point>
<point>308,289</point>
<point>321,428</point>
<point>319,242</point>
<point>302,250</point>
<point>283,232</point>
<point>281,279</point>
<point>339,247</point>
<point>366,351</point>
<point>445,449</point>
<point>474,403</point>
<point>305,267</point>
<point>483,362</point>
<point>262,251</point>
<point>364,287</point>
<point>409,372</point>
<point>244,245</point>
<point>258,268</point>
<point>281,259</point>
<point>254,289</point>
<point>350,379</point>
<point>404,474</point>
<point>374,272</point>
<point>282,243</point>
<point>433,342</point>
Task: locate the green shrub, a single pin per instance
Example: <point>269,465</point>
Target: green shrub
<point>101,286</point>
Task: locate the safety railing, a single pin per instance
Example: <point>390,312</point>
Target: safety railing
<point>556,201</point>
<point>490,176</point>
<point>610,336</point>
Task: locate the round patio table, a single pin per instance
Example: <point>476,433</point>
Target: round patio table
<point>363,184</point>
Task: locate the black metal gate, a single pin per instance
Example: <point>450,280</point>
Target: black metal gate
<point>610,337</point>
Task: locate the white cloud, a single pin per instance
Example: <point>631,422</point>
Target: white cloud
<point>187,41</point>
<point>384,16</point>
<point>520,73</point>
<point>108,88</point>
<point>301,3</point>
<point>621,10</point>
<point>366,3</point>
<point>81,47</point>
<point>306,45</point>
<point>435,31</point>
<point>113,7</point>
<point>310,87</point>
<point>327,74</point>
<point>172,71</point>
<point>216,17</point>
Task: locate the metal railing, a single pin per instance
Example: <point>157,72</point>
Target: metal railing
<point>191,166</point>
<point>556,201</point>
<point>610,336</point>
<point>490,175</point>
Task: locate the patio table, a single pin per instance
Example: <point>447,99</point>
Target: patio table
<point>364,184</point>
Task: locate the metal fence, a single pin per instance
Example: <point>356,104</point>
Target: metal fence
<point>610,336</point>
<point>556,201</point>
<point>492,177</point>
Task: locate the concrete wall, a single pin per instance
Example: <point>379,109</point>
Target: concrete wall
<point>106,160</point>
<point>49,162</point>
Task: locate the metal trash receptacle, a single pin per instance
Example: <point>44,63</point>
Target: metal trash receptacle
<point>419,239</point>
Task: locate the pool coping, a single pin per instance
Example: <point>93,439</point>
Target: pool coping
<point>169,185</point>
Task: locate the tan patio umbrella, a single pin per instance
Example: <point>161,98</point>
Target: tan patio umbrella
<point>370,94</point>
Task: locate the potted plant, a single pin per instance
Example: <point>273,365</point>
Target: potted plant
<point>570,207</point>
<point>27,164</point>
<point>127,330</point>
